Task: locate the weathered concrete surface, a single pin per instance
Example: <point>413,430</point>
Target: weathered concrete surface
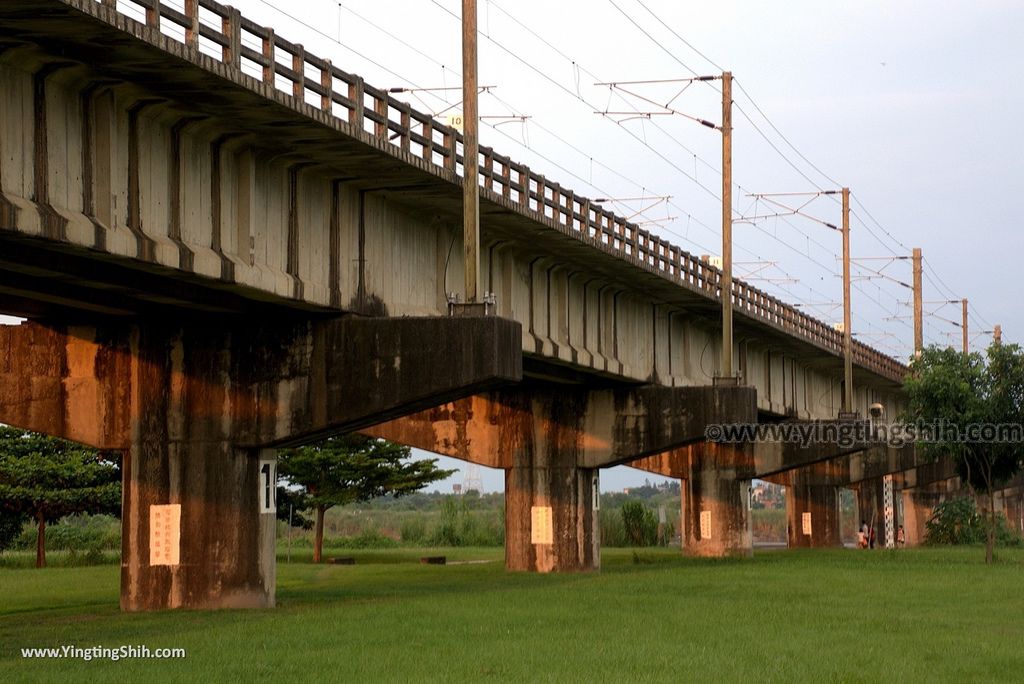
<point>289,382</point>
<point>551,440</point>
<point>616,425</point>
<point>715,495</point>
<point>807,501</point>
<point>189,407</point>
<point>544,480</point>
<point>717,501</point>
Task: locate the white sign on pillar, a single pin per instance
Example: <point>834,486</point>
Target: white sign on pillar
<point>267,485</point>
<point>888,512</point>
<point>705,524</point>
<point>164,534</point>
<point>597,491</point>
<point>541,531</point>
<point>806,521</point>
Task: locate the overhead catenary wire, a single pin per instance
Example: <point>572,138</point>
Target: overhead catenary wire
<point>577,95</point>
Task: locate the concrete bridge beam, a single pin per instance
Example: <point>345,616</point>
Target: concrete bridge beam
<point>551,442</point>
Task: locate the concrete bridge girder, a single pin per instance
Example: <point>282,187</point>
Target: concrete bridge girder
<point>551,442</point>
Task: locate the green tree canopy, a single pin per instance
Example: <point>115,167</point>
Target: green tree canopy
<point>350,468</point>
<point>959,392</point>
<point>45,478</point>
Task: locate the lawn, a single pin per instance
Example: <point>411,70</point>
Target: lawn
<point>921,614</point>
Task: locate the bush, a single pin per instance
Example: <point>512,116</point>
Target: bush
<point>959,522</point>
<point>612,531</point>
<point>458,526</point>
<point>368,539</point>
<point>640,524</point>
<point>75,533</point>
<point>413,530</point>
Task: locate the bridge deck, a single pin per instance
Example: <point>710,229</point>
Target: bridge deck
<point>311,110</point>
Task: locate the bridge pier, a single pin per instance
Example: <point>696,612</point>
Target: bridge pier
<point>717,505</point>
<point>812,507</point>
<point>551,518</point>
<point>197,528</point>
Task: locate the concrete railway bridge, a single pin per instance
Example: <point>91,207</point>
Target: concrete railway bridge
<point>225,245</point>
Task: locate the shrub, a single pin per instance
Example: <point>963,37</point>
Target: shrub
<point>959,522</point>
<point>640,524</point>
<point>612,531</point>
<point>413,530</point>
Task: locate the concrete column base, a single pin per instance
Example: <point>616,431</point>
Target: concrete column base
<point>717,502</point>
<point>225,551</point>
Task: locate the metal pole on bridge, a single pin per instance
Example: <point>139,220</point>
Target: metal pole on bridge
<point>966,340</point>
<point>847,332</point>
<point>727,370</point>
<point>470,154</point>
<point>918,304</point>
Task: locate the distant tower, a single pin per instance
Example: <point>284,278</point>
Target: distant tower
<point>473,479</point>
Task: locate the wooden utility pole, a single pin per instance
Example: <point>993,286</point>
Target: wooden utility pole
<point>727,370</point>
<point>918,305</point>
<point>963,325</point>
<point>847,333</point>
<point>997,334</point>
<point>470,154</point>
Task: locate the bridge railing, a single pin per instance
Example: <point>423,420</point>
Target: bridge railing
<point>220,32</point>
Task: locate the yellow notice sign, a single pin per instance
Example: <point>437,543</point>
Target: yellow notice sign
<point>705,524</point>
<point>807,523</point>
<point>541,531</point>
<point>164,534</point>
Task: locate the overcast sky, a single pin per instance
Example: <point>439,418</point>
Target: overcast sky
<point>914,105</point>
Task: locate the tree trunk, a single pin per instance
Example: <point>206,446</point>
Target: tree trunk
<point>41,541</point>
<point>990,541</point>
<point>318,541</point>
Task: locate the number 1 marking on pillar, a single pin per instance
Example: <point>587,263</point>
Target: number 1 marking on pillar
<point>268,485</point>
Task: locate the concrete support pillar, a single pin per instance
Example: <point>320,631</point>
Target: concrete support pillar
<point>812,505</point>
<point>551,517</point>
<point>198,521</point>
<point>916,512</point>
<point>717,501</point>
<point>812,514</point>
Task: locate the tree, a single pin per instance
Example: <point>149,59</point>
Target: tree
<point>974,404</point>
<point>10,527</point>
<point>291,503</point>
<point>350,468</point>
<point>46,478</point>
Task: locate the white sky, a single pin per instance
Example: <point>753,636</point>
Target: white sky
<point>914,105</point>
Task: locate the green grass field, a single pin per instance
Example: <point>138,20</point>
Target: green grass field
<point>844,615</point>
